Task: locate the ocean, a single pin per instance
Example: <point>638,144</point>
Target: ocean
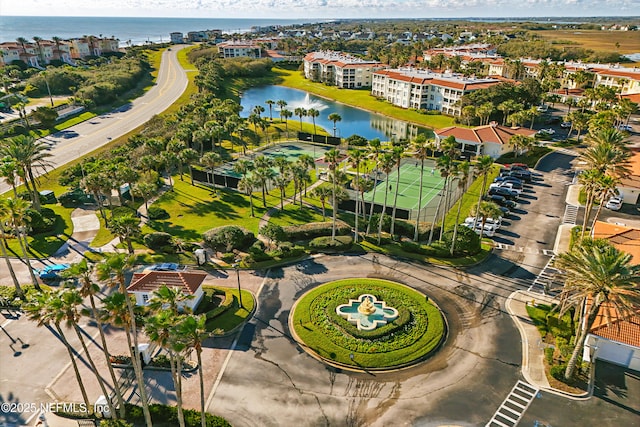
<point>136,30</point>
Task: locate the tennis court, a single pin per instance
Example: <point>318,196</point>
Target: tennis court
<point>409,187</point>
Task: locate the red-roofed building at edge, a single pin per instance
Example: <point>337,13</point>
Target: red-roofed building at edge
<point>425,89</point>
<point>143,285</point>
<point>490,140</point>
<point>339,69</point>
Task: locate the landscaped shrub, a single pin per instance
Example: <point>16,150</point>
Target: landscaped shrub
<point>115,423</point>
<point>156,212</point>
<point>560,327</point>
<point>228,257</point>
<point>414,248</point>
<point>228,237</point>
<point>339,243</point>
<point>74,198</point>
<point>314,229</point>
<point>403,227</point>
<point>557,371</point>
<point>158,240</point>
<point>273,232</point>
<point>548,355</point>
<point>467,241</point>
<point>41,222</point>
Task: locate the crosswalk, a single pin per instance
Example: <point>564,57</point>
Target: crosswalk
<point>514,406</point>
<point>570,214</point>
<point>522,249</point>
<point>550,281</point>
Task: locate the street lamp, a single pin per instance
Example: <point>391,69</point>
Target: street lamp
<point>236,265</point>
<point>46,82</point>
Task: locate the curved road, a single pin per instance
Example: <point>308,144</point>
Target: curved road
<point>85,137</point>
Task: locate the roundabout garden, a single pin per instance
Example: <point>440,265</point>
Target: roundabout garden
<point>367,324</point>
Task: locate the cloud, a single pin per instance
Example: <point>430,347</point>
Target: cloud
<point>322,8</point>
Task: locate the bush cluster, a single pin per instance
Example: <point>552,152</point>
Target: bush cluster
<point>169,415</point>
<point>340,243</point>
<point>41,222</point>
<point>159,241</point>
<point>228,237</point>
<point>314,229</point>
<point>156,212</point>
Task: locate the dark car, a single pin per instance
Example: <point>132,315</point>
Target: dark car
<point>501,201</point>
<point>521,175</point>
<point>508,178</point>
<point>505,192</point>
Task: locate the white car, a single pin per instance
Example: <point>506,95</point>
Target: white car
<point>625,128</point>
<point>488,230</point>
<point>614,203</point>
<point>543,108</point>
<point>565,125</point>
<point>546,131</point>
<point>494,223</point>
<point>514,188</point>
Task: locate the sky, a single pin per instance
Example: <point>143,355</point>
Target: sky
<point>325,9</point>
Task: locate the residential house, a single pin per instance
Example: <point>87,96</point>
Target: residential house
<point>143,285</point>
<point>425,89</point>
<point>629,187</point>
<point>490,140</point>
<point>176,37</point>
<point>339,69</point>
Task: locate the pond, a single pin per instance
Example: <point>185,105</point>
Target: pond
<point>354,120</point>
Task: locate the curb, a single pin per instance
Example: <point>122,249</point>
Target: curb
<point>525,361</point>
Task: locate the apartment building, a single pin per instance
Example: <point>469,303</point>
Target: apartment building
<point>246,48</point>
<point>424,89</point>
<point>339,69</point>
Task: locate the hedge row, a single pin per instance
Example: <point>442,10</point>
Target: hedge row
<point>315,229</point>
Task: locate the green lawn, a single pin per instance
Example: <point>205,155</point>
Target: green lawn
<point>361,99</point>
<point>232,314</point>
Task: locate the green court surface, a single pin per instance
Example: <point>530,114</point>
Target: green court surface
<point>290,150</point>
<point>409,186</point>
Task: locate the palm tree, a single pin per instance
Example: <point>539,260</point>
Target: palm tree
<point>125,227</point>
<point>4,212</point>
<point>332,158</point>
<point>9,171</point>
<point>589,180</point>
<point>373,153</point>
<point>287,115</point>
<point>65,303</point>
<point>281,181</point>
<point>387,162</point>
<point>17,216</point>
<point>188,157</point>
<point>356,157</point>
<point>146,190</point>
<point>113,270</point>
<point>281,104</point>
<point>398,152</point>
<point>486,210</point>
<point>247,184</point>
<point>322,193</point>
<point>83,272</point>
<point>599,278</point>
<point>270,103</point>
<point>313,113</point>
<point>462,171</point>
<point>42,308</point>
<point>263,175</point>
<point>606,188</point>
<point>481,168</point>
<point>169,161</point>
<point>423,147</point>
<point>210,160</point>
<point>257,110</point>
<point>193,331</point>
<point>308,163</point>
<point>300,112</point>
<point>29,154</point>
<point>335,118</point>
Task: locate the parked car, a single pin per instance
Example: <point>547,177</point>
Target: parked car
<point>508,178</point>
<point>488,230</point>
<point>565,125</point>
<point>52,272</point>
<point>548,131</point>
<point>625,128</point>
<point>502,202</point>
<point>543,108</point>
<point>614,203</point>
<point>496,223</point>
<point>509,185</point>
<point>505,192</point>
<point>521,175</point>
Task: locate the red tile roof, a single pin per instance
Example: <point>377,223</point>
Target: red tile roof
<point>481,134</point>
<point>188,282</point>
<point>633,180</point>
<point>625,239</point>
<point>608,324</point>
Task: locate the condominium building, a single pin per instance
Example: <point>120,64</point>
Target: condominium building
<point>426,90</point>
<point>246,48</point>
<point>339,69</point>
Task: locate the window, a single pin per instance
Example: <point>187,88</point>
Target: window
<point>145,299</point>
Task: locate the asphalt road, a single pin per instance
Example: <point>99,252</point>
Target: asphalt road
<point>87,136</point>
